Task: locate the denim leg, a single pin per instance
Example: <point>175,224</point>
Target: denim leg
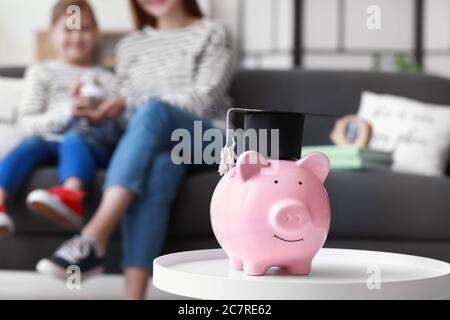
<point>144,225</point>
<point>80,158</point>
<point>16,167</point>
<point>149,131</point>
<point>142,163</point>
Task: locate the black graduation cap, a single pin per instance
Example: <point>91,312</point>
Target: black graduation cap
<point>289,130</point>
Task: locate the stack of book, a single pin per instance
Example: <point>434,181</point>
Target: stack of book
<point>352,158</point>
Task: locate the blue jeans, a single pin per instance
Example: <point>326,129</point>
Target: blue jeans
<point>142,164</point>
<point>75,156</point>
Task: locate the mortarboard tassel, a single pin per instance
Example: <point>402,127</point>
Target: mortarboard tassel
<point>227,158</point>
<point>227,155</point>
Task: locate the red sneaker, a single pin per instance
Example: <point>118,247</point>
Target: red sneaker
<point>59,204</point>
<point>6,223</point>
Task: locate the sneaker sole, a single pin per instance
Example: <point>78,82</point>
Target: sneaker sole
<point>43,204</point>
<point>48,268</point>
<point>6,226</point>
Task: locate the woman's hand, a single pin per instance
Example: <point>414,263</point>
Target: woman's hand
<point>113,107</point>
<point>107,109</point>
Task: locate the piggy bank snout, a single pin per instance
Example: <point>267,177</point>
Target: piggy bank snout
<point>288,217</point>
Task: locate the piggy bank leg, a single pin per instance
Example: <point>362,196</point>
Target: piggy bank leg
<point>302,267</point>
<point>236,263</point>
<point>254,268</point>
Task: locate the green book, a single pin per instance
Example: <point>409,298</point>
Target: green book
<point>349,157</point>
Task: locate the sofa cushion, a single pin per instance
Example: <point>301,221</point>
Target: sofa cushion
<point>388,205</point>
<point>191,205</point>
<point>365,204</point>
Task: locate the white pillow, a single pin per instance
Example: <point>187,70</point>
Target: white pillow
<point>10,137</point>
<point>417,133</point>
<point>10,93</point>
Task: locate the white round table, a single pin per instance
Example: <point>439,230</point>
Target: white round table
<point>336,274</point>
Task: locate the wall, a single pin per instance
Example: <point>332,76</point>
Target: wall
<point>263,31</point>
<point>330,42</point>
<point>19,19</point>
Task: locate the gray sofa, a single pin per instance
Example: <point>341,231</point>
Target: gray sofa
<point>376,210</point>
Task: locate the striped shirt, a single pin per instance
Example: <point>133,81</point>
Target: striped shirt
<point>189,67</point>
<point>46,104</point>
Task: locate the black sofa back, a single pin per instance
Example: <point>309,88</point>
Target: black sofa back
<point>323,92</point>
<point>330,92</point>
<point>12,72</point>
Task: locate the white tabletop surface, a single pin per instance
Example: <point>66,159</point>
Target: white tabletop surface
<point>28,285</point>
<point>336,274</point>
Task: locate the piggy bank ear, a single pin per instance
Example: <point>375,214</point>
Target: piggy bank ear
<point>249,164</point>
<point>317,163</point>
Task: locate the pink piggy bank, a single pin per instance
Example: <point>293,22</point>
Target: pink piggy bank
<point>268,213</point>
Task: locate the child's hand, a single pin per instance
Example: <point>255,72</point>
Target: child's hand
<point>75,88</point>
<point>83,108</point>
<point>80,104</point>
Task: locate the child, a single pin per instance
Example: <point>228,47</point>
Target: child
<point>50,114</point>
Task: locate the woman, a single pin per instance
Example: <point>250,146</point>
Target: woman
<point>175,70</point>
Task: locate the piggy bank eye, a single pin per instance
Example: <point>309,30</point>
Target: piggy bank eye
<point>300,183</point>
<point>276,181</point>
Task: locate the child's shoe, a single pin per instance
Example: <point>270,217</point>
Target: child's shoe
<point>58,204</point>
